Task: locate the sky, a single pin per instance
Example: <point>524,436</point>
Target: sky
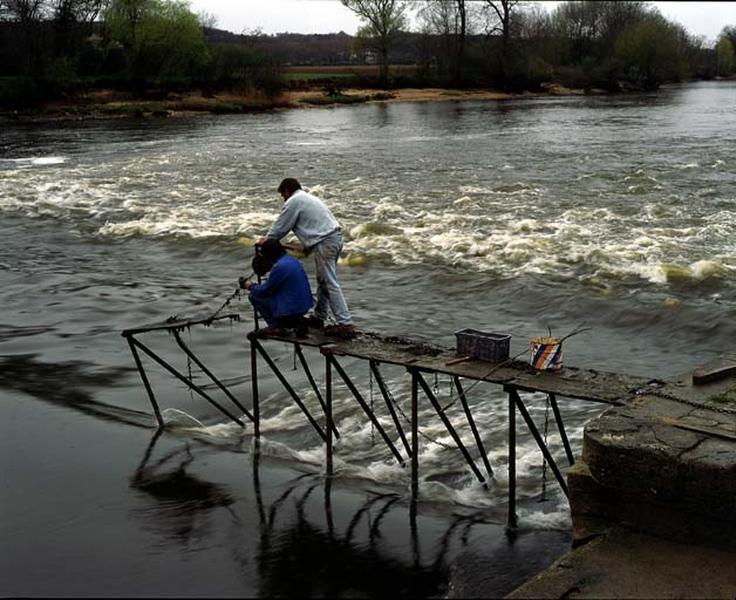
<point>330,16</point>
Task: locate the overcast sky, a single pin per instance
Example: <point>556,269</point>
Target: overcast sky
<point>330,16</point>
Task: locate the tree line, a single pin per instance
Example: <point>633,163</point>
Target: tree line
<point>52,47</point>
<point>512,43</point>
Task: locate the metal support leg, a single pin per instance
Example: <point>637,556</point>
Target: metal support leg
<point>473,428</point>
<point>287,386</point>
<point>414,436</point>
<point>389,405</point>
<point>328,412</point>
<point>146,384</point>
<point>313,383</point>
<point>209,374</point>
<point>450,428</point>
<point>184,380</point>
<point>366,409</point>
<point>511,519</point>
<point>538,438</point>
<point>254,387</point>
<point>561,429</point>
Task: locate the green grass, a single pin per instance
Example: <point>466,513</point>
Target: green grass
<point>727,397</point>
<point>298,76</point>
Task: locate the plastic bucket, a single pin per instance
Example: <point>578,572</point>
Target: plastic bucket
<point>546,353</point>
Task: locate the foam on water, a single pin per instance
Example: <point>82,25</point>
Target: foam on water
<point>506,229</point>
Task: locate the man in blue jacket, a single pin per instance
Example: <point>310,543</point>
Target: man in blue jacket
<point>284,298</point>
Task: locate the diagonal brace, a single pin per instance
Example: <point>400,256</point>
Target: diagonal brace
<point>209,373</point>
<point>288,388</point>
<point>366,409</point>
<point>389,405</point>
<point>313,383</point>
<point>450,428</point>
<point>184,380</point>
<point>535,433</point>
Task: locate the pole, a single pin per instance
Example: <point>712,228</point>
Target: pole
<point>414,435</point>
<point>511,519</point>
<point>328,412</point>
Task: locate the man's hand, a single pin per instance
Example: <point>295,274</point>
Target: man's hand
<point>244,283</point>
<point>261,241</point>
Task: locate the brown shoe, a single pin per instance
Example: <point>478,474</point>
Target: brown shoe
<point>346,332</point>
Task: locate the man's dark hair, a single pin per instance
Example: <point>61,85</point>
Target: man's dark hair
<point>266,256</point>
<point>290,185</point>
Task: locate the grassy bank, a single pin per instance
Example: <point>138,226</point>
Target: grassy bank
<point>106,104</point>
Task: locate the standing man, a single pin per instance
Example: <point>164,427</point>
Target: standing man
<point>320,234</point>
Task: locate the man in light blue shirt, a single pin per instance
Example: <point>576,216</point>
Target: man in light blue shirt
<point>318,230</point>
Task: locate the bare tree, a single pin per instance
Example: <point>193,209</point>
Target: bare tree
<point>448,19</point>
<point>23,11</point>
<point>76,11</point>
<point>503,11</point>
<point>383,20</point>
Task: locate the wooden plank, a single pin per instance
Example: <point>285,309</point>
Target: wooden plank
<point>715,370</point>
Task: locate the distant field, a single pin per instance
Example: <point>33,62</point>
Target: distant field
<point>311,72</point>
<point>304,76</point>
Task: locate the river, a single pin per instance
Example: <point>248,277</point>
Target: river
<point>615,213</point>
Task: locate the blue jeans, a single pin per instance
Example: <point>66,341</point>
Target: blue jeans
<point>329,292</point>
<point>263,306</point>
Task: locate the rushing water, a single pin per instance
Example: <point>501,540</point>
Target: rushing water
<point>618,213</point>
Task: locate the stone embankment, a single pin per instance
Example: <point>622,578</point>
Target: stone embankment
<point>653,500</point>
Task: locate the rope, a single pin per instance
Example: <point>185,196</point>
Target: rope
<point>643,391</point>
<point>214,315</point>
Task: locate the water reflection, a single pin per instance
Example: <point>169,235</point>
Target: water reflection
<point>183,502</point>
<point>67,384</point>
<point>316,540</point>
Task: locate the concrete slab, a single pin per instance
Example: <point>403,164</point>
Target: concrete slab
<point>623,564</point>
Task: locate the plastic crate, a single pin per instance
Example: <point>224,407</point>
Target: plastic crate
<point>482,345</point>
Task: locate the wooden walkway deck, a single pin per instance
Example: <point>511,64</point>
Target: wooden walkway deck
<point>569,382</point>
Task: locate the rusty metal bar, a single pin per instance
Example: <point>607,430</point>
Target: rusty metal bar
<point>511,518</point>
<point>538,438</point>
<point>328,412</point>
<point>561,429</point>
<point>450,429</point>
<point>209,373</point>
<point>473,428</point>
<point>178,325</point>
<point>287,385</point>
<point>184,380</point>
<point>366,408</point>
<point>146,384</point>
<point>254,388</point>
<point>313,383</point>
<point>414,436</point>
<point>384,392</point>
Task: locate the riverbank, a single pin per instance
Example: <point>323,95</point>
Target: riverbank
<point>109,104</point>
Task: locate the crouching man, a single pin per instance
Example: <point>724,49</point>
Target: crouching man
<point>284,298</point>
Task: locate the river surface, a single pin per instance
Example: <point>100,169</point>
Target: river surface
<point>616,214</point>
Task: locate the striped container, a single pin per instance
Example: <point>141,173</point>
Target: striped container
<point>546,353</point>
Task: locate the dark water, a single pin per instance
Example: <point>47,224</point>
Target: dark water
<point>615,212</point>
